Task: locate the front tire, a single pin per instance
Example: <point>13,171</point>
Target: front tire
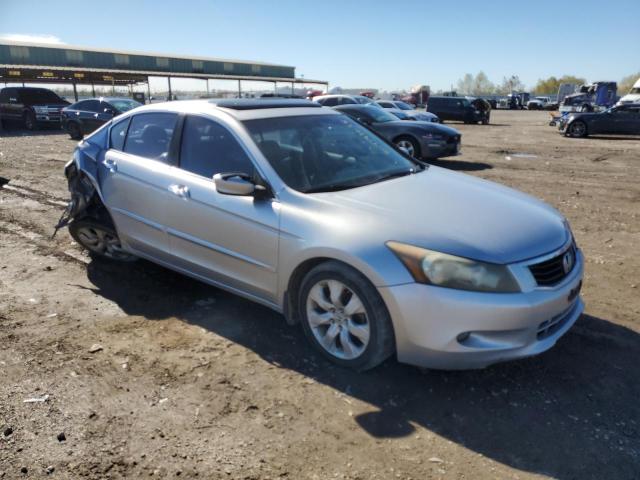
<point>577,129</point>
<point>409,144</point>
<point>101,240</point>
<point>29,120</point>
<point>344,317</point>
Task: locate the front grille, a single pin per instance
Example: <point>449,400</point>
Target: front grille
<point>554,270</point>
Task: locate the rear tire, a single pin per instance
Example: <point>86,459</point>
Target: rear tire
<point>344,317</point>
<point>100,240</point>
<point>74,131</point>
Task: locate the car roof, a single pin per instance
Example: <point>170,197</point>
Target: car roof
<point>240,108</point>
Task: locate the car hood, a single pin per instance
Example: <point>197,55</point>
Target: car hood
<point>431,127</point>
<point>452,213</point>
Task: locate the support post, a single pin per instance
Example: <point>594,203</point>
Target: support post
<point>239,89</point>
<point>170,93</point>
<point>113,87</point>
<point>93,90</point>
<point>208,93</point>
<point>148,89</point>
<point>275,88</point>
<point>75,91</point>
<point>292,89</point>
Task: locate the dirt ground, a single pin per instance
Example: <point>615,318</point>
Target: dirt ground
<point>194,382</point>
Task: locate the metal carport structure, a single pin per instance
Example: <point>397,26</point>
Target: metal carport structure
<point>22,62</point>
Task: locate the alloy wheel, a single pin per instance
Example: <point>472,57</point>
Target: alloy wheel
<point>338,319</point>
<point>406,145</point>
<point>578,129</point>
<point>102,242</point>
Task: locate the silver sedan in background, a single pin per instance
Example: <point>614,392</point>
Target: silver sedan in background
<point>302,209</point>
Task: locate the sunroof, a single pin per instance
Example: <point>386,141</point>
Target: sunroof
<point>256,104</point>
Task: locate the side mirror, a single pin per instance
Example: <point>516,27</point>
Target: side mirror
<point>235,183</point>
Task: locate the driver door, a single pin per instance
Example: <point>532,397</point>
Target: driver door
<point>226,239</point>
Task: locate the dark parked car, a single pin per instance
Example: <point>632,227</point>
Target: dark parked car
<point>30,106</point>
<point>416,115</point>
<point>621,120</point>
<point>461,109</point>
<point>418,139</point>
<point>395,104</point>
<point>86,116</point>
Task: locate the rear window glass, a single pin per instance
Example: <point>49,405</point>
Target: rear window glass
<point>149,135</point>
<point>118,134</point>
<point>99,137</point>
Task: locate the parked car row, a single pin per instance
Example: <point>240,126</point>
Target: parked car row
<point>309,211</point>
<point>35,107</point>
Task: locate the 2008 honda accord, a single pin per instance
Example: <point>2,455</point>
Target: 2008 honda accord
<point>302,209</point>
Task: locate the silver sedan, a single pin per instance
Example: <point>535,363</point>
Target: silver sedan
<point>302,209</point>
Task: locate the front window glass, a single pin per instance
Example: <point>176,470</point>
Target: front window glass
<point>316,153</point>
<point>404,106</point>
<point>635,91</point>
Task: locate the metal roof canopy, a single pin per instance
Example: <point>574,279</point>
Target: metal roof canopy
<point>33,62</point>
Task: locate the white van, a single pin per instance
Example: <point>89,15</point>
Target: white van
<point>634,94</point>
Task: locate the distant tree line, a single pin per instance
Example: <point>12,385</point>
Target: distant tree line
<point>480,84</point>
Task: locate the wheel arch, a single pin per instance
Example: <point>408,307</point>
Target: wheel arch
<point>304,266</point>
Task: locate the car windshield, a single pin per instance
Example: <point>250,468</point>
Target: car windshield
<point>379,115</point>
<point>124,105</point>
<point>400,114</point>
<point>635,91</point>
<point>403,106</point>
<point>363,100</point>
<point>322,153</point>
<point>40,96</point>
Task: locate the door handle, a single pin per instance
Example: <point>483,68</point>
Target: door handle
<point>111,165</point>
<point>179,190</point>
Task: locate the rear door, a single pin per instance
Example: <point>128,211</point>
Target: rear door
<point>94,114</point>
<point>135,178</point>
<point>626,120</point>
<point>229,240</point>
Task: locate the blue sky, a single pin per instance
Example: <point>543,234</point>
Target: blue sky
<point>382,44</point>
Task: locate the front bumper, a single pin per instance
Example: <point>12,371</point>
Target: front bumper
<point>431,323</point>
<point>441,148</point>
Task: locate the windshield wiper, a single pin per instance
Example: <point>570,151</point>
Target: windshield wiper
<point>335,187</point>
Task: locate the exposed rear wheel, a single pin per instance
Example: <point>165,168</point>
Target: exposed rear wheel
<point>344,317</point>
<point>99,239</point>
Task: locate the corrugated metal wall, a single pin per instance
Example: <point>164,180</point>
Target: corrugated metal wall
<point>62,57</point>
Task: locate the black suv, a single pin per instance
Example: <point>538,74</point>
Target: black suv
<point>461,109</point>
<point>30,106</point>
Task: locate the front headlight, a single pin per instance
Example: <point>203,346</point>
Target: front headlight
<point>449,271</point>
